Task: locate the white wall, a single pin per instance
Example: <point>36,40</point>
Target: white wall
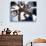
<point>30,30</point>
<point>39,44</point>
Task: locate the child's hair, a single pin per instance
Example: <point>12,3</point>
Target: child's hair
<point>13,3</point>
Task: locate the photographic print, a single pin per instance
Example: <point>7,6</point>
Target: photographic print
<point>23,11</point>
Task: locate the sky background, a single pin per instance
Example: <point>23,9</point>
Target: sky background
<point>31,30</point>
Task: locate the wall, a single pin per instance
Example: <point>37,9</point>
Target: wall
<point>30,30</point>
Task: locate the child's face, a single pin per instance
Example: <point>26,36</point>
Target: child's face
<point>13,13</point>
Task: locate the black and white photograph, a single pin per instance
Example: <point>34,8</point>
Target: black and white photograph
<point>23,11</point>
